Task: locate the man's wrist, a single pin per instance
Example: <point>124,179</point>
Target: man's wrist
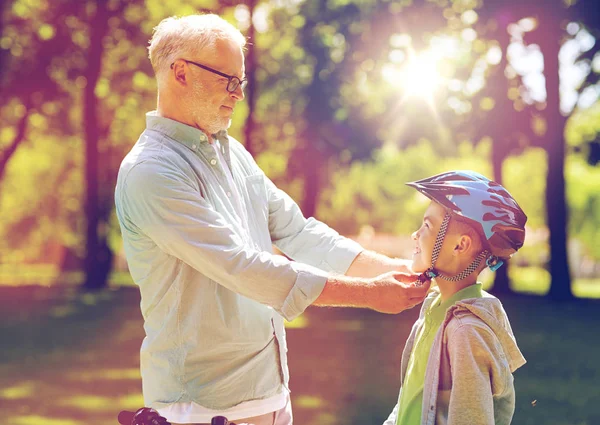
<point>345,291</point>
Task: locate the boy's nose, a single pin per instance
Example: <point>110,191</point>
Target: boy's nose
<point>414,235</point>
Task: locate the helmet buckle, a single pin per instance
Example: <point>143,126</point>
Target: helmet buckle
<point>428,274</point>
<point>494,263</point>
<point>431,273</point>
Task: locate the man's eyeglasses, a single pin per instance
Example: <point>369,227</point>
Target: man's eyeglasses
<point>233,83</point>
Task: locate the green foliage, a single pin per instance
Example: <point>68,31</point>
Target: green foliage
<point>525,178</point>
<point>532,280</point>
<point>41,193</point>
<point>321,82</point>
<point>41,197</point>
<point>583,194</point>
<point>374,193</point>
<point>583,179</point>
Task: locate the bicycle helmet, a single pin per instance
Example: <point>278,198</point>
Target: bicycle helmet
<point>485,205</point>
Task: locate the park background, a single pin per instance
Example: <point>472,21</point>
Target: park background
<point>347,100</point>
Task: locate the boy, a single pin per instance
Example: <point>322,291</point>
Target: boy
<point>458,360</point>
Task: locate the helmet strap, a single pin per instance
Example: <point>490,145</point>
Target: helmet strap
<point>439,240</point>
<point>470,268</point>
<point>491,261</point>
<point>431,272</point>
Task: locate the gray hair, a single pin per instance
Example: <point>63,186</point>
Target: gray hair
<point>177,37</point>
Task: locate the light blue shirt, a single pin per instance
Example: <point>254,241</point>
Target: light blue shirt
<point>213,294</point>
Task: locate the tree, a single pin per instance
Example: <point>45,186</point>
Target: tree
<point>507,126</point>
<point>550,36</point>
<point>513,128</point>
<point>325,49</point>
<point>63,57</point>
<point>24,76</point>
<point>249,128</point>
<point>556,205</point>
<point>98,257</point>
<point>20,135</point>
<point>550,39</point>
<point>36,47</point>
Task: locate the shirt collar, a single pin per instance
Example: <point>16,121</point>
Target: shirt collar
<point>439,308</point>
<point>183,133</point>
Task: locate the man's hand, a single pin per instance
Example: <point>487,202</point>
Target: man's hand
<point>391,292</point>
<point>394,292</point>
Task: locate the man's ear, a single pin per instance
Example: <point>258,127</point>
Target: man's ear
<point>179,70</point>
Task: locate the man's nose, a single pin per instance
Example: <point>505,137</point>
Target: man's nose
<point>238,94</point>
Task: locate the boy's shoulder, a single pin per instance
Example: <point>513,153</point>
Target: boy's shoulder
<point>484,318</point>
<point>486,310</point>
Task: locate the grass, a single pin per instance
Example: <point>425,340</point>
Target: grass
<point>72,359</point>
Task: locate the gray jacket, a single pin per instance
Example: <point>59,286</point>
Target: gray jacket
<point>469,372</point>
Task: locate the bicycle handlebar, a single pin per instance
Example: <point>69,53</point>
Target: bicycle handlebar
<point>125,417</point>
<point>143,416</point>
<point>148,416</point>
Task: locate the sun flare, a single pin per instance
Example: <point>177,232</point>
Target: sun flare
<point>417,77</point>
<point>420,76</point>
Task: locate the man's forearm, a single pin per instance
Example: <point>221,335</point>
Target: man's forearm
<point>388,293</point>
<point>371,264</point>
<point>344,291</point>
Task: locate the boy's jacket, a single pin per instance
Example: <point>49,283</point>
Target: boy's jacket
<point>469,379</point>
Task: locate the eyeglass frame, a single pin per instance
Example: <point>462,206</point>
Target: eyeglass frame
<point>241,83</point>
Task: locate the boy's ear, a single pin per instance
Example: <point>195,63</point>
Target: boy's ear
<point>463,244</point>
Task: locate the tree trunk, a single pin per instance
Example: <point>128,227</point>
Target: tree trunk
<point>251,88</point>
<point>97,262</point>
<point>312,153</point>
<point>556,205</point>
<point>312,181</point>
<point>501,282</point>
<point>500,144</point>
<point>5,53</point>
<point>7,153</point>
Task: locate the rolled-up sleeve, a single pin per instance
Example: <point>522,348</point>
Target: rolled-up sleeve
<point>163,204</point>
<point>307,240</point>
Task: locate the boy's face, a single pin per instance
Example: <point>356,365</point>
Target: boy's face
<point>454,252</point>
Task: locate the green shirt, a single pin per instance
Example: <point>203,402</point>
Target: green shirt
<point>411,394</point>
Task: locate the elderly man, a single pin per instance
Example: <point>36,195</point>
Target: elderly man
<point>199,219</point>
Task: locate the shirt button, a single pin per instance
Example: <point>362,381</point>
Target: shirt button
<point>229,194</point>
<point>193,146</point>
<point>213,161</point>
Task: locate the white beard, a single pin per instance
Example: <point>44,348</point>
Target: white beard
<point>211,123</point>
